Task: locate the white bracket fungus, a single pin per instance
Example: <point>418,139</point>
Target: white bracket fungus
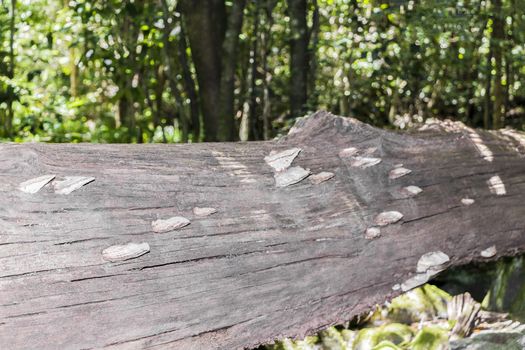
<point>34,185</point>
<point>170,224</point>
<point>398,172</point>
<point>364,162</point>
<point>432,261</point>
<point>429,264</point>
<point>372,232</point>
<point>489,252</point>
<point>71,183</point>
<point>290,176</point>
<point>321,177</point>
<point>125,251</point>
<point>197,211</point>
<point>412,190</point>
<point>282,160</point>
<point>496,186</point>
<point>348,152</point>
<point>387,218</point>
<point>467,201</point>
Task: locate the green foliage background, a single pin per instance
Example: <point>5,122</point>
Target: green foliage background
<point>389,63</point>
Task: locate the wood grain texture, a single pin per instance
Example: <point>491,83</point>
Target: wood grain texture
<point>270,263</point>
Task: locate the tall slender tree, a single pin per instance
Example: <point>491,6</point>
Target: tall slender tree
<point>179,62</point>
<point>497,39</point>
<point>213,32</point>
<point>8,121</point>
<point>299,63</point>
<point>313,39</point>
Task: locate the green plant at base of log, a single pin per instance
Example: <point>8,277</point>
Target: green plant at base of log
<point>507,292</point>
<point>500,285</point>
<point>394,326</point>
<point>331,338</point>
<point>423,303</point>
<point>386,345</point>
<point>430,338</point>
<point>309,343</point>
<point>418,320</point>
<point>376,337</point>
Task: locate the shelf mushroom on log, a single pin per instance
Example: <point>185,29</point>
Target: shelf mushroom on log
<point>282,256</point>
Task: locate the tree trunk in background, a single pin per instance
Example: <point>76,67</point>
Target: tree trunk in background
<point>299,63</point>
<point>205,20</point>
<point>472,108</point>
<point>189,120</point>
<point>226,127</point>
<point>488,94</point>
<point>159,91</point>
<point>272,262</point>
<point>497,39</point>
<point>266,42</point>
<point>124,110</point>
<point>510,36</point>
<point>394,104</point>
<point>245,79</point>
<point>189,84</point>
<point>8,121</point>
<point>167,51</point>
<point>213,34</point>
<point>184,121</point>
<point>259,98</point>
<point>73,75</point>
<point>127,32</point>
<point>508,76</point>
<point>312,55</point>
<point>253,122</point>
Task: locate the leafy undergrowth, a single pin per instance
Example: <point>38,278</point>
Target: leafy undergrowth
<point>424,318</point>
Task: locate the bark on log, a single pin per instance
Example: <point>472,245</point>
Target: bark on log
<point>272,262</point>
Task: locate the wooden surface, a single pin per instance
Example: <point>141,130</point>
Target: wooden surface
<point>271,263</point>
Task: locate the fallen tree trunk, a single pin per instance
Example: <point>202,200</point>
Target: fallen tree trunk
<point>272,261</point>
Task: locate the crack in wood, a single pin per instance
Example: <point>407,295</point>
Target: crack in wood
<point>420,218</point>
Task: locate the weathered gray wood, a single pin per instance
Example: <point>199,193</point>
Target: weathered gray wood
<point>271,262</point>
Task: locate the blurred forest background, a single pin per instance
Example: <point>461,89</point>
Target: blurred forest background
<point>215,70</point>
